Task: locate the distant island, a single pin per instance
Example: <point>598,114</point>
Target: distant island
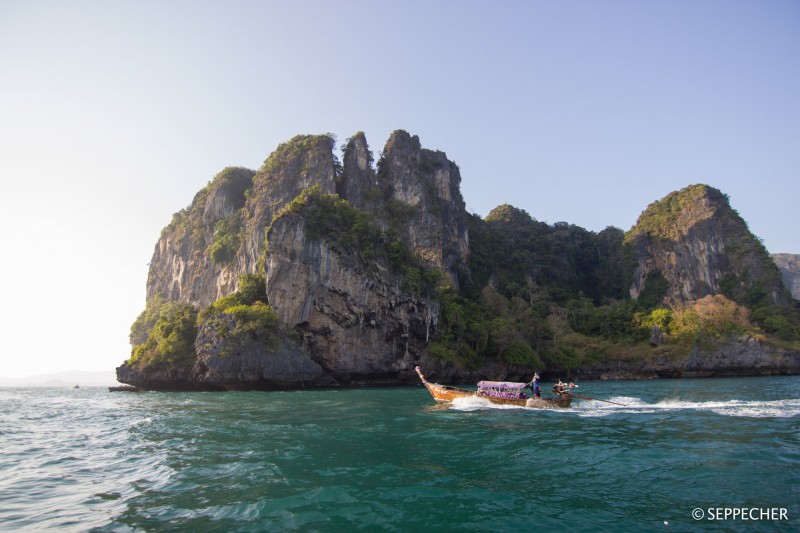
<point>68,378</point>
<point>315,271</point>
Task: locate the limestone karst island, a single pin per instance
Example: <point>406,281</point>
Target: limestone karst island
<point>321,271</point>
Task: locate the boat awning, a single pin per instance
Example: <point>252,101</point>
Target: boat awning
<point>501,385</point>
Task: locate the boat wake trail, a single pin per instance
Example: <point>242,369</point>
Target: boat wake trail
<point>473,403</point>
<point>630,405</point>
<point>754,409</point>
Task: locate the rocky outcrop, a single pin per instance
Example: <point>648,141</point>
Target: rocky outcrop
<point>303,162</point>
<point>741,356</point>
<point>701,246</point>
<point>162,376</point>
<point>251,361</point>
<point>789,265</point>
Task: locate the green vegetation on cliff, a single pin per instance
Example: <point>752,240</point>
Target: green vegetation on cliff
<point>328,216</point>
<point>170,340</point>
<point>556,297</point>
<point>213,221</point>
<point>292,159</point>
<point>226,238</point>
<point>521,254</point>
<point>165,332</point>
<point>537,295</point>
<point>242,317</point>
<point>187,224</point>
<point>674,214</point>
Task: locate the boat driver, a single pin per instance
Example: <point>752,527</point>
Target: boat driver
<point>534,385</point>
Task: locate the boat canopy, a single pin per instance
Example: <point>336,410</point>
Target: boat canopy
<point>501,385</point>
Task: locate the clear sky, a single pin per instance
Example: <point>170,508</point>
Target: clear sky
<point>113,114</point>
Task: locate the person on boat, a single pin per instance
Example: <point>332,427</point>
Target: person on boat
<point>559,387</point>
<point>534,385</point>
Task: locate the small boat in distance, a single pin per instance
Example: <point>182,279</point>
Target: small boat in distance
<point>498,392</point>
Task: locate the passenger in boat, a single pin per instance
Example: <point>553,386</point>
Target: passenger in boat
<point>559,387</point>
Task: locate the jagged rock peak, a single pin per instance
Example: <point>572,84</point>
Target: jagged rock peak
<point>428,185</point>
<point>506,214</point>
<point>694,241</point>
<point>227,193</point>
<point>300,163</point>
<point>358,175</point>
<point>402,141</point>
<point>676,213</point>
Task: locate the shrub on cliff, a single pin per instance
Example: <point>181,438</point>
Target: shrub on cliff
<point>226,238</point>
<point>255,319</point>
<point>144,323</point>
<point>252,290</point>
<point>780,321</point>
<point>171,340</point>
<point>242,316</point>
<point>711,316</point>
<point>237,328</point>
<point>329,216</point>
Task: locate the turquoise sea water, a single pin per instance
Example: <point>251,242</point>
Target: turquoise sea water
<point>392,460</point>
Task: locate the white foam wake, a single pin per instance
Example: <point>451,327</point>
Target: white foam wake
<point>756,409</point>
<point>630,405</point>
<point>473,403</point>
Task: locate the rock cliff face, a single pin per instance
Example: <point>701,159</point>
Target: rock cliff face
<point>220,236</point>
<point>182,268</point>
<point>247,362</point>
<point>358,326</point>
<point>789,265</point>
<point>701,246</point>
<point>425,187</point>
<point>362,320</point>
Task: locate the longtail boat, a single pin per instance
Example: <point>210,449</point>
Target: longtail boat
<point>499,392</point>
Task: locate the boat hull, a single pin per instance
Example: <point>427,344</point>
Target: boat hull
<point>443,393</point>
